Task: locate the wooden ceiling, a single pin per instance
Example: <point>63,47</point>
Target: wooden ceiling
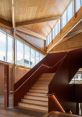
<point>35,18</point>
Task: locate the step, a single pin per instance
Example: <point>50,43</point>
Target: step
<point>45,79</point>
<point>36,98</point>
<point>39,91</point>
<point>36,94</point>
<point>34,102</point>
<point>32,107</point>
<point>40,87</point>
<point>43,82</point>
<point>48,74</point>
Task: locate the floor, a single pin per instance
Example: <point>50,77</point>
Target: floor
<point>19,113</point>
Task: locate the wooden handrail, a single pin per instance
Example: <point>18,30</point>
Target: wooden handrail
<point>31,76</point>
<point>53,98</point>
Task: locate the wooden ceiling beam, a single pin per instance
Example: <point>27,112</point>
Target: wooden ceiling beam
<point>36,48</point>
<point>30,33</point>
<point>39,20</point>
<point>5,24</point>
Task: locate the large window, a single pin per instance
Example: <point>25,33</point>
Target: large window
<point>24,54</point>
<point>2,46</point>
<point>9,49</point>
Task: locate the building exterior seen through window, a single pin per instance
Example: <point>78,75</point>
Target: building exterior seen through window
<point>77,79</point>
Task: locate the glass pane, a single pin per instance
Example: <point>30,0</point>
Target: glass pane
<point>27,61</point>
<point>37,57</point>
<point>41,56</point>
<point>32,57</point>
<point>58,26</point>
<point>2,45</point>
<point>70,11</point>
<point>81,2</point>
<point>64,19</point>
<point>50,37</point>
<point>20,60</point>
<point>10,49</point>
<point>78,4</point>
<point>54,32</point>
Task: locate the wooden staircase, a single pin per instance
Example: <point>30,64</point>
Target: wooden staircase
<point>37,99</point>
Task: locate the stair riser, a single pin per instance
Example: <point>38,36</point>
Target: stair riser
<point>35,98</point>
<point>40,103</point>
<point>36,94</point>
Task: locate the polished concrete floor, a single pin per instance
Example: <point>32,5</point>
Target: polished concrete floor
<point>16,112</point>
<point>19,113</point>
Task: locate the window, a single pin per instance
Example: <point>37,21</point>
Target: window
<point>20,60</point>
<point>54,34</point>
<point>70,11</point>
<point>58,26</point>
<point>48,40</point>
<point>64,19</point>
<point>2,46</point>
<point>81,2</point>
<point>32,57</point>
<point>10,49</point>
<point>50,37</point>
<point>78,4</point>
<point>41,56</point>
<point>37,57</point>
<point>27,61</point>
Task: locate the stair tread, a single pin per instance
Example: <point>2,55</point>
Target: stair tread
<point>36,98</point>
<point>40,91</point>
<point>39,88</point>
<point>37,94</point>
<point>35,102</point>
<point>33,107</point>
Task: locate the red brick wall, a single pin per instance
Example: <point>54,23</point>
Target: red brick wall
<point>19,72</point>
